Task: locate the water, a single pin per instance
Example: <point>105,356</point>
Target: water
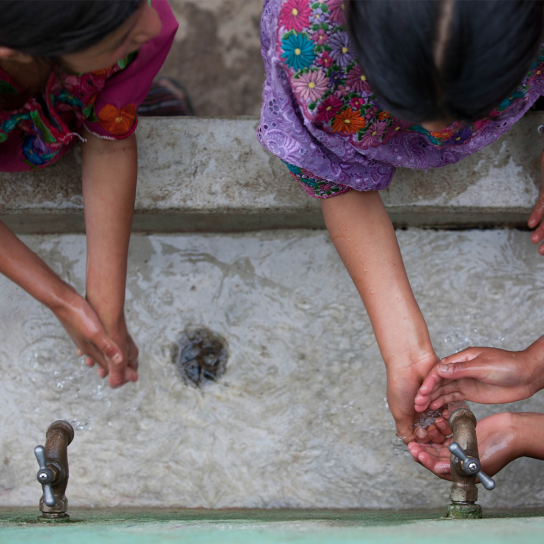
<point>299,417</point>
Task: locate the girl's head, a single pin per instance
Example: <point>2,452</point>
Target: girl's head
<point>84,35</point>
<point>435,61</point>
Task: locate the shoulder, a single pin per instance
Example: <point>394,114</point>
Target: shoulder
<point>127,84</point>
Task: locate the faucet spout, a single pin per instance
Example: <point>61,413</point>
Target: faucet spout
<point>465,467</point>
<point>463,489</point>
<point>54,472</point>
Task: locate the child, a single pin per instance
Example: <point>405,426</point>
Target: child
<point>74,71</point>
<point>416,84</point>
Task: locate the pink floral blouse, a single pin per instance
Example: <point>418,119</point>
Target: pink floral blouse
<point>105,102</point>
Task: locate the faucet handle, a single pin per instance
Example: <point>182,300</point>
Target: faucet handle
<point>471,466</point>
<point>45,476</point>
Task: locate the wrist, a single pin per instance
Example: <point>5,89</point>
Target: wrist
<point>421,360</point>
<point>113,320</point>
<point>535,364</point>
<point>112,316</point>
<point>60,297</point>
<point>528,429</point>
<point>516,429</point>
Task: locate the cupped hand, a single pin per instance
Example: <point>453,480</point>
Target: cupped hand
<point>535,219</point>
<point>127,370</point>
<point>403,383</point>
<point>498,445</point>
<point>483,375</point>
<point>86,330</point>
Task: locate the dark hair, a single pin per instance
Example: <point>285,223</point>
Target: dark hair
<point>486,49</point>
<point>47,29</point>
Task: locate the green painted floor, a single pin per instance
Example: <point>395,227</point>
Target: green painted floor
<point>271,527</point>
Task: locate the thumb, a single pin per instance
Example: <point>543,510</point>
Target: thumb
<point>456,371</point>
<point>110,350</point>
<point>405,430</point>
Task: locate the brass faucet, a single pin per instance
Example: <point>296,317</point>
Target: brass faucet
<point>465,467</point>
<point>53,473</point>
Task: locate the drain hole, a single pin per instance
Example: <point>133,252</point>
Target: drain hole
<point>200,355</point>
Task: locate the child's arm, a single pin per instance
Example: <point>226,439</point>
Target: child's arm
<point>536,218</point>
<point>501,439</point>
<point>484,375</point>
<point>365,239</point>
<point>27,270</point>
<point>109,170</point>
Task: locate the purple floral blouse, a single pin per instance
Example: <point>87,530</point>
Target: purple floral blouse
<point>321,118</point>
<point>105,102</point>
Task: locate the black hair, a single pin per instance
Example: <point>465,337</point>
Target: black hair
<point>48,29</point>
<point>486,49</point>
<point>51,28</point>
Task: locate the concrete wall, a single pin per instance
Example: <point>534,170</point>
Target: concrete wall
<point>212,175</point>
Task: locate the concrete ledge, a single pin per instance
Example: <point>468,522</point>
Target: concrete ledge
<point>199,174</point>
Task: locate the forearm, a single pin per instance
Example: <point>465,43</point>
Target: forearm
<point>528,429</point>
<point>27,270</point>
<point>364,237</point>
<point>109,189</point>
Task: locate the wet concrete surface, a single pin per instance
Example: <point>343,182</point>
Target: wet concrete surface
<point>299,418</point>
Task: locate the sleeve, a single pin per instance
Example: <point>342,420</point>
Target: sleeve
<point>115,108</point>
<point>325,163</point>
<point>314,186</point>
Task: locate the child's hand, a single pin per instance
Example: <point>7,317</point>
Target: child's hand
<point>483,375</point>
<point>127,370</point>
<point>538,214</point>
<point>498,445</point>
<point>84,327</point>
<point>402,385</point>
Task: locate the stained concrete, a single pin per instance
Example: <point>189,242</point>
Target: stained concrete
<point>299,419</point>
<point>212,175</point>
<point>216,55</point>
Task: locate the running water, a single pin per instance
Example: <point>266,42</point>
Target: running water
<point>299,418</point>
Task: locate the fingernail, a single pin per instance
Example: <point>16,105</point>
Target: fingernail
<point>421,433</point>
<point>117,359</point>
<point>440,423</point>
<point>445,368</point>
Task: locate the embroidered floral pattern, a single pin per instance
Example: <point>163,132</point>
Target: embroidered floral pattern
<point>298,50</point>
<point>337,9</point>
<point>295,15</point>
<point>349,121</point>
<point>44,134</point>
<point>311,85</point>
<point>118,122</point>
<point>346,137</point>
<point>315,186</point>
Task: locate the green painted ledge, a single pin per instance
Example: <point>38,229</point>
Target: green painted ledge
<point>271,527</point>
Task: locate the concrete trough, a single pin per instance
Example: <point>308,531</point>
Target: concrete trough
<point>299,419</point>
<point>211,175</point>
